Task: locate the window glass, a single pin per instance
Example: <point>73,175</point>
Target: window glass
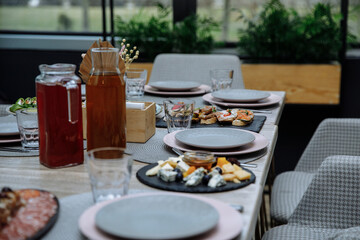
<point>67,15</point>
<point>51,15</point>
<point>227,13</point>
<point>128,8</point>
<point>354,18</point>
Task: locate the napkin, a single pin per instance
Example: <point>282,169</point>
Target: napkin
<point>135,105</point>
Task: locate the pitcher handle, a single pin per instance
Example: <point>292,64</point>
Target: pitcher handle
<point>72,97</point>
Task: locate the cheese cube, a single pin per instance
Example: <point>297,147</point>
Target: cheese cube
<point>242,175</point>
<point>167,167</point>
<point>229,177</point>
<point>228,168</point>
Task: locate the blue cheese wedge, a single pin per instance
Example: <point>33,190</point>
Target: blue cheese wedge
<point>195,178</point>
<point>166,176</point>
<point>216,181</point>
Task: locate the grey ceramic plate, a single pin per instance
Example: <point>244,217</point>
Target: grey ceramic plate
<point>8,126</point>
<point>174,85</point>
<point>215,138</point>
<point>157,217</point>
<point>240,95</point>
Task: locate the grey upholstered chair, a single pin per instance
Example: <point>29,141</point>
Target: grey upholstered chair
<point>194,67</point>
<point>332,137</point>
<point>330,207</point>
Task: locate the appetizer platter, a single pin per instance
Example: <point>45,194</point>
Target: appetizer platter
<point>208,116</point>
<point>26,213</point>
<point>187,174</point>
<point>22,103</point>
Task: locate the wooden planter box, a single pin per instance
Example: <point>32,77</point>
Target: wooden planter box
<point>303,83</point>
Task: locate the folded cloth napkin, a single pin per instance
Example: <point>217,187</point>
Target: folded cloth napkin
<point>135,105</point>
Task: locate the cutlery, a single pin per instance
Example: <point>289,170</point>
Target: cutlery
<point>9,149</point>
<point>179,152</point>
<point>237,207</point>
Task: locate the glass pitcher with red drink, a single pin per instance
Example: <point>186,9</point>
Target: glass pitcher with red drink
<point>105,101</point>
<point>58,92</point>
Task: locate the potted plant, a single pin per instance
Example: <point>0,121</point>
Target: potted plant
<point>309,45</point>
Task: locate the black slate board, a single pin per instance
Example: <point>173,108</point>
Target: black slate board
<point>156,182</point>
<point>255,126</point>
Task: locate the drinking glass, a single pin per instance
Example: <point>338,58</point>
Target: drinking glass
<point>109,170</point>
<point>135,79</point>
<point>221,79</point>
<point>27,121</point>
<point>178,114</point>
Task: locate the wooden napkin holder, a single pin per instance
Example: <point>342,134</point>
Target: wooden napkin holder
<point>140,124</point>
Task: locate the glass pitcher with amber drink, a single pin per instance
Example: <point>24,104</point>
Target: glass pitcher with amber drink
<point>59,116</point>
<point>105,101</point>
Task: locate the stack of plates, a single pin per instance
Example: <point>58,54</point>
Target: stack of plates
<point>9,131</point>
<point>161,216</point>
<point>176,88</point>
<point>220,141</point>
<point>241,98</point>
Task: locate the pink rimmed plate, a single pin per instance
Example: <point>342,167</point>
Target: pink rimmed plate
<point>273,99</point>
<point>202,89</point>
<point>259,143</point>
<point>229,224</point>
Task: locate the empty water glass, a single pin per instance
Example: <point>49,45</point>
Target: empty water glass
<point>221,79</point>
<point>27,121</point>
<point>109,171</point>
<point>135,79</point>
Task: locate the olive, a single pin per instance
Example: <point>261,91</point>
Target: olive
<point>233,161</point>
<point>6,189</point>
<point>206,179</point>
<point>177,170</point>
<point>218,169</point>
<point>179,177</point>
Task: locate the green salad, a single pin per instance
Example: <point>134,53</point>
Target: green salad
<point>23,103</point>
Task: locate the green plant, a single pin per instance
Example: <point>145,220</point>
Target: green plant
<point>186,41</point>
<point>157,34</point>
<point>282,35</point>
<point>151,36</point>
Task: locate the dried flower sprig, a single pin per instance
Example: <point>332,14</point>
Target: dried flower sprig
<point>128,54</point>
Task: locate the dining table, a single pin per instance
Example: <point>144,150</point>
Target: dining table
<point>71,185</point>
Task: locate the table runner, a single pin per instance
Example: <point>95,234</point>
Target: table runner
<point>153,150</point>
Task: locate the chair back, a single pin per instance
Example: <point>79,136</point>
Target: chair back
<point>194,67</point>
<point>332,198</point>
<point>333,136</point>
